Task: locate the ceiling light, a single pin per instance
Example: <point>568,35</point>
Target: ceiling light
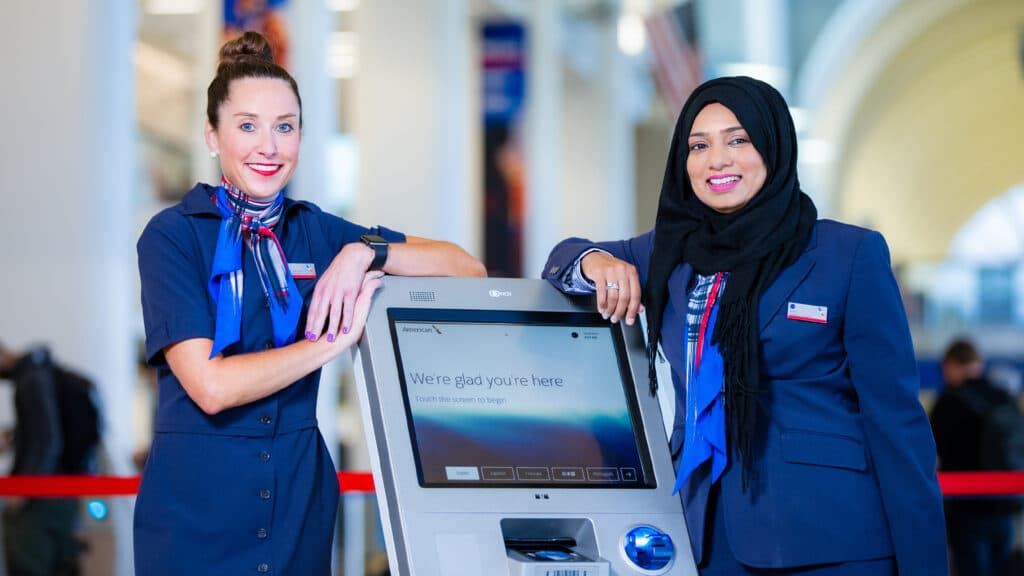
<point>168,7</point>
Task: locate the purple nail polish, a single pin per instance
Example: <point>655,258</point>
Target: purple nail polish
<point>344,329</point>
<point>310,336</point>
<point>330,337</point>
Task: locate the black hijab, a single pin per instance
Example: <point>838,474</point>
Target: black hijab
<point>753,244</point>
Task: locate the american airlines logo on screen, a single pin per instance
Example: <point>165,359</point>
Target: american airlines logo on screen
<point>499,293</point>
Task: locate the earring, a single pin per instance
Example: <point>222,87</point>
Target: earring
<point>213,154</point>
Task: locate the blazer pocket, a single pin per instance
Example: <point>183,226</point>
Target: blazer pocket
<point>823,449</point>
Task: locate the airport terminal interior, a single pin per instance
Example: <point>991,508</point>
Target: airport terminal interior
<point>502,126</point>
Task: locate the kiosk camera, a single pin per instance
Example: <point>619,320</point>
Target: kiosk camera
<point>512,432</point>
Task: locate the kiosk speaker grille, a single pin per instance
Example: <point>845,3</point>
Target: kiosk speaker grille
<point>422,295</point>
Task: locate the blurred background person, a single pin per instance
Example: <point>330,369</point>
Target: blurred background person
<point>978,427</point>
<point>56,432</point>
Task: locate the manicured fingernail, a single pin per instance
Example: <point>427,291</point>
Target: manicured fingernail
<point>344,329</point>
<point>310,336</point>
<point>330,337</point>
<point>603,315</point>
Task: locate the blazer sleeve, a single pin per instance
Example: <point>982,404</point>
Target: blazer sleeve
<point>636,251</point>
<point>884,372</point>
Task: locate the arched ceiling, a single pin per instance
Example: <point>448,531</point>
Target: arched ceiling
<point>937,132</point>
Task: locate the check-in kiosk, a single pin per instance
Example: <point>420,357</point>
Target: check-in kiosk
<point>512,432</point>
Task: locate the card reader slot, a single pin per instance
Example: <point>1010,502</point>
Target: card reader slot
<point>539,543</point>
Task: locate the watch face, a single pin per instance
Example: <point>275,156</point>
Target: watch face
<point>373,239</point>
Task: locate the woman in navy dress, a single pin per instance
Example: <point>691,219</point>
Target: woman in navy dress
<point>245,295</point>
<point>800,443</point>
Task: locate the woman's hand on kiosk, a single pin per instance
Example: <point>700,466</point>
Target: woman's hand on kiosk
<point>336,292</point>
<point>360,309</point>
<point>617,283</point>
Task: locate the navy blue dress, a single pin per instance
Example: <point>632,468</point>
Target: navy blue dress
<point>252,489</point>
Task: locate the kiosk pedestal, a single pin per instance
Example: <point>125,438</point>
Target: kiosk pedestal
<point>512,433</point>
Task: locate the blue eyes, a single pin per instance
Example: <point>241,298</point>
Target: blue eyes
<point>283,128</point>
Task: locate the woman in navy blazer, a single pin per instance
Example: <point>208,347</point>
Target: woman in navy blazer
<point>799,439</point>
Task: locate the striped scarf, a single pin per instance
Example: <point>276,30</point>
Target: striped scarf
<point>242,215</point>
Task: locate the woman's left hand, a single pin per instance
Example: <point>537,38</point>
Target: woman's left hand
<point>335,293</point>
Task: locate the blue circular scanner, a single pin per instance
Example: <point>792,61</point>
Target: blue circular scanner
<point>97,509</point>
<point>649,548</point>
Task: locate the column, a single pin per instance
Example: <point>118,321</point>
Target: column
<point>69,250</point>
<point>543,133</point>
<point>414,104</point>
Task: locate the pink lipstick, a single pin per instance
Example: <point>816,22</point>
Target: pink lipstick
<point>723,182</point>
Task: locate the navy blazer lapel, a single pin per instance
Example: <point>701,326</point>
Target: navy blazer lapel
<point>678,282</point>
<point>786,283</point>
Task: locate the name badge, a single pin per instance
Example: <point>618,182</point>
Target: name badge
<point>302,271</point>
<point>807,312</point>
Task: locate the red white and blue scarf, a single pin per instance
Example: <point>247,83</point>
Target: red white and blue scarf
<point>242,215</point>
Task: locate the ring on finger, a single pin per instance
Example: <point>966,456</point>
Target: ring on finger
<point>611,285</point>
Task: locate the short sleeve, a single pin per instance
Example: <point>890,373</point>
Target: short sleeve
<point>175,303</point>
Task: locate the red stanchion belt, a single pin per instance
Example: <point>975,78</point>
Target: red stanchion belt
<point>952,484</point>
<point>65,486</point>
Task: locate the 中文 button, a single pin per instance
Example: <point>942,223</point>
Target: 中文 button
<point>264,456</point>
<point>263,568</point>
<point>261,533</point>
<point>265,494</point>
<point>265,419</point>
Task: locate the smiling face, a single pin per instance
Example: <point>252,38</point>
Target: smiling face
<point>725,169</point>
<point>257,136</point>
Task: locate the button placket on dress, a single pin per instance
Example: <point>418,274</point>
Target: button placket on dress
<point>265,493</point>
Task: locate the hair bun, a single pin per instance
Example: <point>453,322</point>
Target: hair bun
<point>249,46</point>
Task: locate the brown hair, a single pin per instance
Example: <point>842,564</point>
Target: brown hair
<point>247,56</point>
<point>961,351</point>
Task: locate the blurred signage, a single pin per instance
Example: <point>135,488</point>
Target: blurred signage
<point>504,94</point>
<point>263,16</point>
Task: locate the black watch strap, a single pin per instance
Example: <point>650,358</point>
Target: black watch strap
<point>380,250</point>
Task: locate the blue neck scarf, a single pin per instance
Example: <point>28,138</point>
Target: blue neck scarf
<point>243,215</point>
<point>705,413</point>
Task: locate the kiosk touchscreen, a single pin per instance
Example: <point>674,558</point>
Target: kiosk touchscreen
<point>512,432</point>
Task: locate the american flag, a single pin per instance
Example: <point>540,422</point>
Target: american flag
<point>673,37</point>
